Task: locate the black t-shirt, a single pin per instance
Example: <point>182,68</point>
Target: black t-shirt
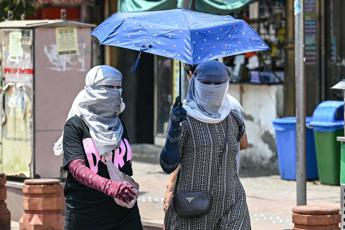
<point>88,208</point>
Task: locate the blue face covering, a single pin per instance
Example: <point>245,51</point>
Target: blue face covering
<point>207,99</point>
<point>211,72</point>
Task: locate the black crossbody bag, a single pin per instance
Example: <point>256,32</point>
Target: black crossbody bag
<point>195,204</point>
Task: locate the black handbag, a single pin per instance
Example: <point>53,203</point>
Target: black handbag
<point>195,203</point>
<point>192,204</point>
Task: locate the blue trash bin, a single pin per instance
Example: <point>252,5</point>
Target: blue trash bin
<point>285,129</point>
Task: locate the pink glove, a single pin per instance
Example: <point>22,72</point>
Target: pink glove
<point>123,191</point>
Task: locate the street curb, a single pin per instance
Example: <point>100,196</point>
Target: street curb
<point>151,226</point>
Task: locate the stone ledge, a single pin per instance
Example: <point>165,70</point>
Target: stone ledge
<point>318,220</point>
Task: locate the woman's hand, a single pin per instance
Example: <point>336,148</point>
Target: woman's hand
<point>131,181</point>
<point>124,191</point>
<point>178,113</point>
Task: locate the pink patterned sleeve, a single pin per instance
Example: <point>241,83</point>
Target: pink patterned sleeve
<point>87,177</point>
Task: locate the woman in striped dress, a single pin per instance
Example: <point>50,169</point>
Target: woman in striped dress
<point>203,140</point>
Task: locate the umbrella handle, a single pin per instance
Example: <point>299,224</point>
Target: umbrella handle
<point>136,63</point>
<point>179,85</point>
<point>137,60</point>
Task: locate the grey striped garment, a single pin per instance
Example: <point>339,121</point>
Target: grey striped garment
<point>205,166</point>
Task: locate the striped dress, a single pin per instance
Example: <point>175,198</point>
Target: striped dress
<point>207,166</point>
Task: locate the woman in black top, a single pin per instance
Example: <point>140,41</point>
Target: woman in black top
<point>95,139</point>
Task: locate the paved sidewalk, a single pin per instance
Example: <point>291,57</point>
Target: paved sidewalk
<point>269,198</point>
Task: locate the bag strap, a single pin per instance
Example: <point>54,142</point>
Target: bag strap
<point>241,131</point>
<point>220,161</point>
<point>226,140</point>
<point>240,123</point>
<point>225,147</point>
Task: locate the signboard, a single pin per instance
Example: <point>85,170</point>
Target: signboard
<point>310,31</point>
<point>15,45</point>
<point>16,118</point>
<point>66,40</point>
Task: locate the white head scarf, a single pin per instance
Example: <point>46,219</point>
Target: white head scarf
<point>99,105</point>
<point>207,99</point>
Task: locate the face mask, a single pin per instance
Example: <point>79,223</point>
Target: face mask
<point>103,102</point>
<point>209,96</point>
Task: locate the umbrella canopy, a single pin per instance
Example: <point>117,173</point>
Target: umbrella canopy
<point>184,35</point>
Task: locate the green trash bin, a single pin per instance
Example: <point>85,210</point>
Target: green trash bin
<point>328,124</point>
<point>342,160</point>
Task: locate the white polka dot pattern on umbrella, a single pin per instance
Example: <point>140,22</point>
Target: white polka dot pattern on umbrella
<point>191,37</point>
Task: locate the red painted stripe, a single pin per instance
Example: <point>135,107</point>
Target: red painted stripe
<point>18,70</point>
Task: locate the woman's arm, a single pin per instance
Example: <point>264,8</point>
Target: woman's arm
<point>169,189</point>
<point>244,142</point>
<point>170,155</point>
<point>81,173</point>
<point>74,162</point>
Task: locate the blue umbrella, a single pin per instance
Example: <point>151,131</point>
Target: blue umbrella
<point>184,35</point>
